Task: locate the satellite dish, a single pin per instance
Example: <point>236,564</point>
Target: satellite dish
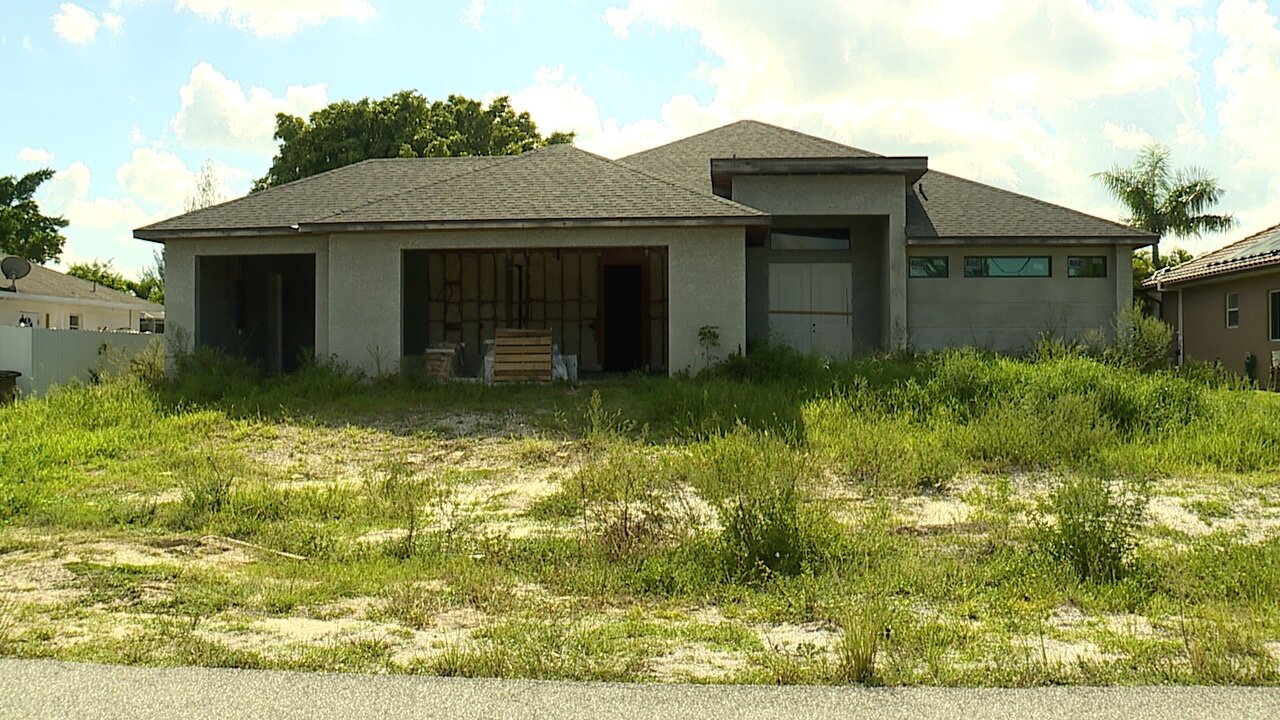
<point>14,267</point>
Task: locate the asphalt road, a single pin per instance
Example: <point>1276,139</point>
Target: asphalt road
<point>31,689</point>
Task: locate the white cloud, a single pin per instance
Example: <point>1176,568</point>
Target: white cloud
<point>1126,138</point>
<point>217,112</point>
<point>266,18</point>
<point>1033,95</point>
<point>157,176</point>
<point>67,186</point>
<point>473,14</point>
<point>37,156</point>
<point>112,21</point>
<point>75,24</point>
<point>26,44</point>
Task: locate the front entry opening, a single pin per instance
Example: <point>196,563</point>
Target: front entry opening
<point>259,307</point>
<point>623,318</point>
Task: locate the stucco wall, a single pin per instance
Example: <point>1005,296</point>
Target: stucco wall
<point>13,306</point>
<point>181,278</point>
<point>706,282</point>
<point>846,195</point>
<point>1205,334</point>
<point>1008,314</point>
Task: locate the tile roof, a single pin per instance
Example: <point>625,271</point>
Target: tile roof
<point>1260,250</point>
<point>948,207</point>
<point>51,283</point>
<point>558,182</point>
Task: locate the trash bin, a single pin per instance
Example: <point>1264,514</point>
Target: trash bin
<point>8,385</point>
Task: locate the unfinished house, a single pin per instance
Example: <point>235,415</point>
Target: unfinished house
<point>753,230</point>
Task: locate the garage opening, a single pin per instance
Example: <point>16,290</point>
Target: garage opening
<point>461,297</point>
<point>259,307</point>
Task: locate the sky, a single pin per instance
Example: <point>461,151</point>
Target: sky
<point>127,99</point>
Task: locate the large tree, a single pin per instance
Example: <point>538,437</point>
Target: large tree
<point>405,124</point>
<point>1165,201</point>
<point>100,272</point>
<point>24,230</point>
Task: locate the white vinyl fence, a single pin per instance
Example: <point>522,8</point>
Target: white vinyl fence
<point>56,357</point>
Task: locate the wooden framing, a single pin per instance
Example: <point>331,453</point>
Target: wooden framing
<point>465,296</point>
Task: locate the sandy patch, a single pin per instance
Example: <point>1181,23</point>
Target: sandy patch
<point>1059,652</point>
<point>795,639</point>
<point>1169,512</point>
<point>696,662</point>
<point>936,512</point>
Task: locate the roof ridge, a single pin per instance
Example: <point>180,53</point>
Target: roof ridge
<point>1038,201</point>
<point>500,160</point>
<point>677,186</point>
<point>807,136</point>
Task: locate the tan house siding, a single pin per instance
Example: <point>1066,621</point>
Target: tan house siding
<point>1204,323</point>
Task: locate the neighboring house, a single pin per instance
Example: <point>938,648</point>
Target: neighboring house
<point>1225,305</point>
<point>752,229</point>
<point>49,299</point>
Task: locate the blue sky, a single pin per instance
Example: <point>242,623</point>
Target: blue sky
<point>126,99</point>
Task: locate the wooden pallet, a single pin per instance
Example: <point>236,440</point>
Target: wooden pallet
<point>522,355</point>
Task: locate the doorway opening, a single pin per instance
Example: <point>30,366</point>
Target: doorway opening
<point>623,318</point>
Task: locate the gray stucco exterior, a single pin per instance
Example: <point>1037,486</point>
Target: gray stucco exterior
<point>1009,314</point>
<point>791,198</point>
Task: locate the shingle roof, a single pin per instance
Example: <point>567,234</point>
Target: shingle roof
<point>51,283</point>
<point>945,206</point>
<point>688,161</point>
<point>558,182</point>
<point>954,208</point>
<point>322,195</point>
<point>1260,250</point>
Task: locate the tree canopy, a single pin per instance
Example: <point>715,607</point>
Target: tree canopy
<point>102,273</point>
<point>1163,200</point>
<point>24,230</point>
<point>405,124</point>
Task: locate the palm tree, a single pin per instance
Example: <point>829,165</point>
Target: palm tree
<point>1166,201</point>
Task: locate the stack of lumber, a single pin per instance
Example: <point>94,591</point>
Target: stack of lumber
<point>522,355</point>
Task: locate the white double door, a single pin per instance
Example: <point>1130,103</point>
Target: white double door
<point>811,307</point>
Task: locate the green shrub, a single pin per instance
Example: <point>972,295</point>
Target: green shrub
<point>1142,342</point>
<point>772,529</point>
<point>1094,525</point>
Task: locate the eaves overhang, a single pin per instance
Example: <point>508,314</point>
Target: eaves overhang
<point>723,170</point>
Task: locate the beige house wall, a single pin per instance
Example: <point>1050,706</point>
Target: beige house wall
<point>1206,336</point>
<point>706,282</point>
<point>57,315</point>
<point>1009,314</point>
<point>359,295</point>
